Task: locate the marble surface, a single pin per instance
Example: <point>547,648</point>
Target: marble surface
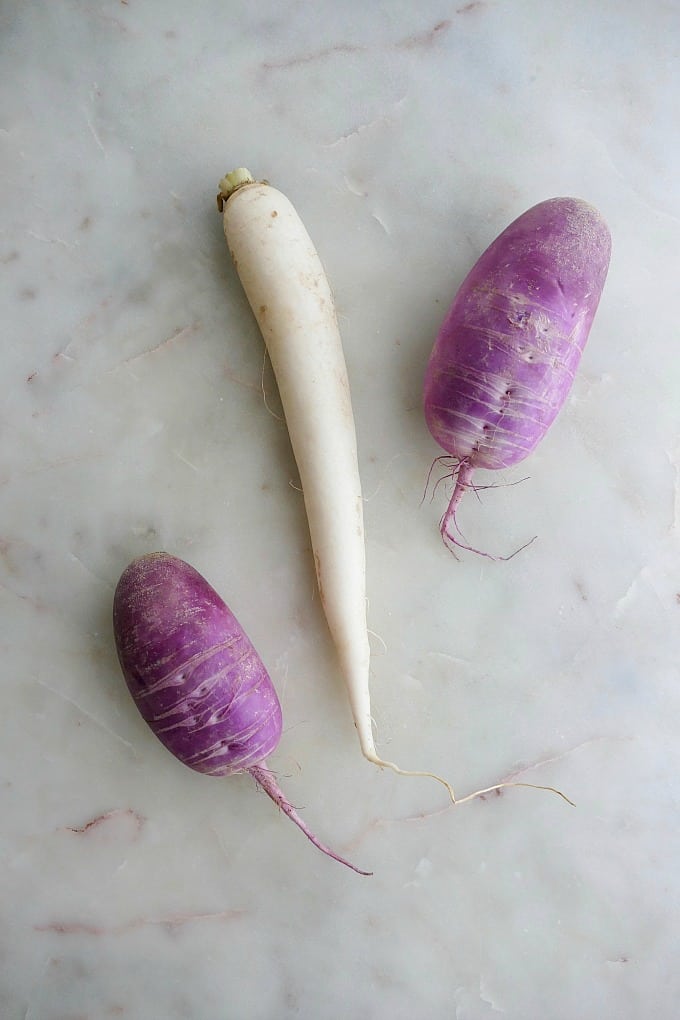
<point>132,418</point>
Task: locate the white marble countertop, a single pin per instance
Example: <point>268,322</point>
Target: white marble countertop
<point>132,414</point>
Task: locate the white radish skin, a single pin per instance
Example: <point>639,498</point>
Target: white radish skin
<point>291,299</point>
<point>292,302</point>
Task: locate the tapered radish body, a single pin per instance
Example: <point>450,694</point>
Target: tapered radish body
<point>507,352</point>
<point>289,294</point>
<point>196,678</point>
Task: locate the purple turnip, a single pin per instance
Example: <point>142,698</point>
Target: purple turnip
<point>507,352</point>
<point>196,678</point>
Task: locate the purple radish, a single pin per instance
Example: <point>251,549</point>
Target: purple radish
<point>508,350</point>
<point>196,678</point>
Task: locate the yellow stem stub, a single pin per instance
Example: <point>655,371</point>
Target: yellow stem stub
<point>231,182</point>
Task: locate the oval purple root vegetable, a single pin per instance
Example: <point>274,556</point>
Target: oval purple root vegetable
<point>507,352</point>
<point>195,677</point>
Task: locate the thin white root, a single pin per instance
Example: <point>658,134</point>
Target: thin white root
<point>502,786</point>
<point>264,392</point>
<point>381,763</point>
<point>376,760</point>
<point>374,633</point>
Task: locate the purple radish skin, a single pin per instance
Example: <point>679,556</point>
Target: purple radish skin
<point>196,678</point>
<point>508,350</point>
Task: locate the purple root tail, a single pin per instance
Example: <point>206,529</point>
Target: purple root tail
<point>265,779</point>
<point>448,526</point>
<point>463,474</point>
